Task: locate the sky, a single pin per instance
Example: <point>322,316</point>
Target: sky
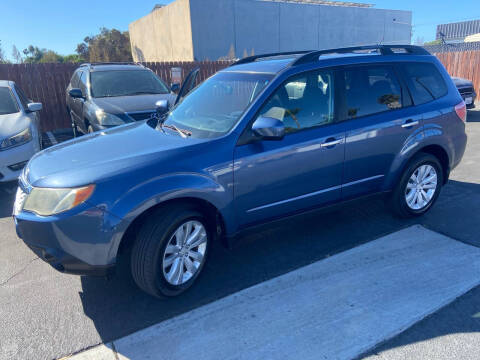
<point>60,25</point>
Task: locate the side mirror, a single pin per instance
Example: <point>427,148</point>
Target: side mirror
<point>267,128</point>
<point>76,93</point>
<point>175,87</point>
<point>34,107</point>
<point>162,106</point>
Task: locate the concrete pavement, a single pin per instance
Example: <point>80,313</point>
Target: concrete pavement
<point>336,308</point>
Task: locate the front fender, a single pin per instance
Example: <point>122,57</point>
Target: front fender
<point>157,190</point>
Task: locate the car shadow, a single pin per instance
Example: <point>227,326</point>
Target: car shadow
<point>474,115</point>
<point>117,307</point>
<point>7,198</point>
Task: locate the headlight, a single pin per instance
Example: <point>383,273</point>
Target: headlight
<point>48,201</point>
<point>18,139</point>
<point>107,119</point>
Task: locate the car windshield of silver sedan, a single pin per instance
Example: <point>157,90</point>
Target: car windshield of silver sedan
<point>215,106</point>
<point>125,83</point>
<point>8,105</point>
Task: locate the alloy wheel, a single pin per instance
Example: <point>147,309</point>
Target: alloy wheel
<point>421,187</point>
<point>185,252</point>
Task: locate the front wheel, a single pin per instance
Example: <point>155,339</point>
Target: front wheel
<point>170,251</point>
<point>419,186</point>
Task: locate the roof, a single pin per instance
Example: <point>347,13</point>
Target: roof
<point>270,65</point>
<point>113,66</point>
<point>274,63</point>
<point>6,83</point>
<point>325,2</point>
<point>458,30</point>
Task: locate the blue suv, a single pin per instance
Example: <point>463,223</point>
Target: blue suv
<point>268,137</point>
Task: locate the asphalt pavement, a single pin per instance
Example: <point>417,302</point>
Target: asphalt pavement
<point>45,314</point>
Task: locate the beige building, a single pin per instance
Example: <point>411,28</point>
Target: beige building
<point>187,30</point>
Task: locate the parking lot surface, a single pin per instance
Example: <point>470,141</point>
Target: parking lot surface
<point>45,314</point>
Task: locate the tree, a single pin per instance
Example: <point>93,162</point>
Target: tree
<point>17,56</point>
<point>109,45</point>
<point>50,56</point>
<point>3,58</point>
<point>33,54</point>
<point>73,58</point>
<point>434,42</point>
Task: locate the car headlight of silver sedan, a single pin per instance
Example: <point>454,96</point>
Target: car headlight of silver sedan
<point>17,139</point>
<point>49,201</point>
<point>107,119</point>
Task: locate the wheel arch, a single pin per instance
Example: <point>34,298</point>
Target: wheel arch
<point>433,149</point>
<point>213,215</point>
<point>441,154</point>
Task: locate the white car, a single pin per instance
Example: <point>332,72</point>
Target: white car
<point>20,137</point>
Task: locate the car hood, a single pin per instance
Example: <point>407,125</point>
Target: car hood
<point>125,104</point>
<point>102,155</point>
<point>12,124</point>
<point>461,82</point>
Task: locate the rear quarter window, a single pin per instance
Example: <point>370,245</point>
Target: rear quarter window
<point>424,81</point>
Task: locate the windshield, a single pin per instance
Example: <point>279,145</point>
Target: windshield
<point>125,83</point>
<point>214,107</point>
<point>8,105</point>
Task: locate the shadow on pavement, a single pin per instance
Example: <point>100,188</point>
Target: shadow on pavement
<point>7,198</point>
<point>461,316</point>
<point>117,307</point>
<point>474,115</point>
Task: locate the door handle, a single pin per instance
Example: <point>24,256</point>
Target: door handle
<point>409,124</point>
<point>331,142</point>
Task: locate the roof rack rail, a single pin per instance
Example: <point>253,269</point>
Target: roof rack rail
<point>253,58</point>
<point>383,49</point>
<point>112,63</point>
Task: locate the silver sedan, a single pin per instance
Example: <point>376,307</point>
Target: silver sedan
<point>20,137</point>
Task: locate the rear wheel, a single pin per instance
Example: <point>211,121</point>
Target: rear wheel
<point>170,251</point>
<point>419,186</point>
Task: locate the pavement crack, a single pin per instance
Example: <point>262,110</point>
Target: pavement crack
<point>19,272</point>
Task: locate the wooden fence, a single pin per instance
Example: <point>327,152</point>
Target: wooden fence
<point>46,83</point>
<point>464,64</point>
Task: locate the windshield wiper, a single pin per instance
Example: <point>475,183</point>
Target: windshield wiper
<point>183,133</point>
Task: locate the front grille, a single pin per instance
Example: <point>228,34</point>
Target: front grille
<point>138,116</point>
<point>466,90</point>
<point>18,166</point>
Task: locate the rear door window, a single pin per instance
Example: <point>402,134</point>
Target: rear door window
<point>424,81</point>
<point>370,90</point>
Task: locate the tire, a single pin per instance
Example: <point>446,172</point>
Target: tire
<point>403,201</point>
<point>149,251</point>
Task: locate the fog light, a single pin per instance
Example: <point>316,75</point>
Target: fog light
<point>18,166</point>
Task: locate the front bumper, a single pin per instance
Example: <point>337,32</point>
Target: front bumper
<point>15,156</point>
<point>69,264</point>
<point>73,242</point>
